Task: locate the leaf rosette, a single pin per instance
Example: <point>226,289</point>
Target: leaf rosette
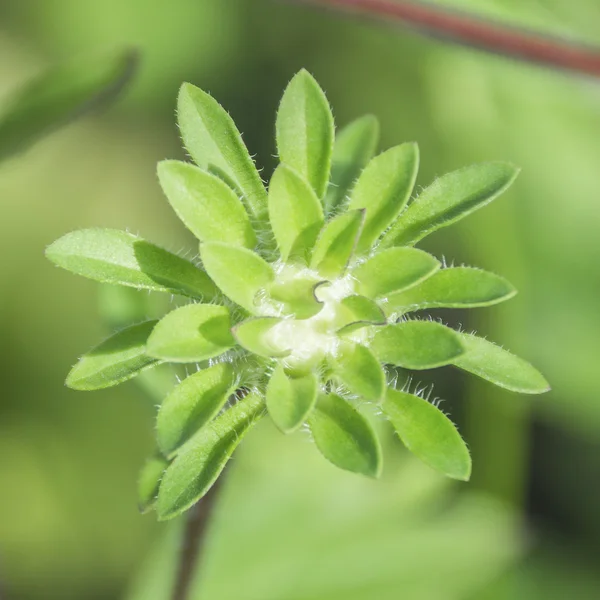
<point>305,299</point>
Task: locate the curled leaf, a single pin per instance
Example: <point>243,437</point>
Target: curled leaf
<point>253,335</point>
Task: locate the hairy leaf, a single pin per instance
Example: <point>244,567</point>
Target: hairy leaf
<point>359,370</point>
<point>345,437</point>
<point>383,189</point>
<point>355,144</point>
<point>298,296</point>
<point>336,243</point>
<point>428,433</point>
<point>295,213</point>
<point>253,336</point>
<point>499,366</point>
<point>207,206</point>
<point>61,94</point>
<point>305,131</point>
<point>200,462</point>
<point>192,333</point>
<point>117,359</point>
<point>113,256</point>
<point>393,270</point>
<point>239,272</point>
<point>192,404</point>
<point>291,399</point>
<point>149,481</point>
<point>450,198</point>
<point>455,287</point>
<point>356,311</point>
<point>417,345</point>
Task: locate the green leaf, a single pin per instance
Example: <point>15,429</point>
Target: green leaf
<point>295,213</point>
<point>355,312</point>
<point>336,243</point>
<point>291,399</point>
<point>493,363</point>
<point>393,270</point>
<point>239,273</point>
<point>201,461</point>
<point>298,296</point>
<point>383,189</point>
<point>195,402</point>
<point>455,287</point>
<point>345,437</point>
<point>207,206</point>
<point>354,146</point>
<point>60,95</point>
<point>449,199</point>
<point>192,333</point>
<point>428,433</point>
<point>305,131</point>
<point>118,257</point>
<point>358,369</point>
<point>417,345</point>
<point>215,144</point>
<point>253,336</point>
<point>117,359</point>
<point>149,481</point>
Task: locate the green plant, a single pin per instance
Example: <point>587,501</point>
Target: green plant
<point>304,293</point>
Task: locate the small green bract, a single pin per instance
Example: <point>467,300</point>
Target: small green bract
<point>302,302</point>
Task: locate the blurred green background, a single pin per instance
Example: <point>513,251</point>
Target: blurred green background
<point>289,526</point>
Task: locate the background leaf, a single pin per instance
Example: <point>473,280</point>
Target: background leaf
<point>119,257</point>
<point>305,131</point>
<point>428,433</point>
<point>149,480</point>
<point>117,359</point>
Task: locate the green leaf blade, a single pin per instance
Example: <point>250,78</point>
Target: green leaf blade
<point>291,399</point>
<point>360,371</point>
<point>428,434</point>
<point>500,367</point>
<point>449,199</point>
<point>393,270</point>
<point>383,189</point>
<point>192,333</point>
<point>118,257</point>
<point>238,272</point>
<point>345,437</point>
<point>305,131</point>
<point>454,287</point>
<point>357,311</point>
<point>417,345</point>
<point>207,206</point>
<point>253,335</point>
<point>201,461</point>
<point>119,358</point>
<point>295,213</point>
<point>149,482</point>
<point>192,404</point>
<point>355,144</point>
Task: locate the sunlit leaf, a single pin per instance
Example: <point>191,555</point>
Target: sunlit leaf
<point>455,287</point>
<point>393,270</point>
<point>383,189</point>
<point>192,333</point>
<point>491,362</point>
<point>305,131</point>
<point>192,404</point>
<point>295,213</point>
<point>345,437</point>
<point>360,371</point>
<point>290,399</point>
<point>253,335</point>
<point>201,461</point>
<point>149,481</point>
<point>117,359</point>
<point>113,256</point>
<point>215,144</point>
<point>428,433</point>
<point>239,273</point>
<point>417,344</point>
<point>298,296</point>
<point>207,206</point>
<point>336,243</point>
<point>60,95</point>
<point>355,144</point>
<point>450,198</point>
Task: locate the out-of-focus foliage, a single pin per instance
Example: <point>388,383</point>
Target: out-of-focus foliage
<point>64,487</point>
